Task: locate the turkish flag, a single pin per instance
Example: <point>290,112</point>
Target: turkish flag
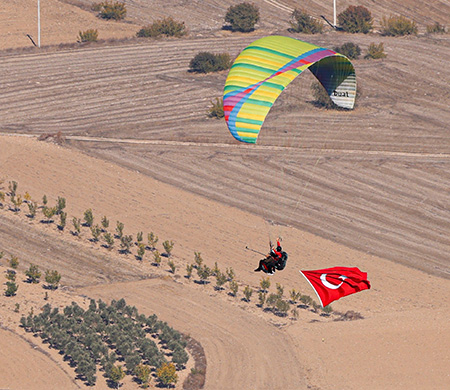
<point>330,284</point>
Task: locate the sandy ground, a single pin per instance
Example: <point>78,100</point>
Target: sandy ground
<point>373,185</point>
<point>400,343</point>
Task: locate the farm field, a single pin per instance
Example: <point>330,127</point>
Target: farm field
<point>125,132</point>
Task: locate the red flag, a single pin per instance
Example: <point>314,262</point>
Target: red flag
<point>330,284</point>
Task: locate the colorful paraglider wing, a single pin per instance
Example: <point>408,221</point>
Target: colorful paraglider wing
<point>264,68</point>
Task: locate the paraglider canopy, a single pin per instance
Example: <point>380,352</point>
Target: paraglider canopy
<point>264,68</point>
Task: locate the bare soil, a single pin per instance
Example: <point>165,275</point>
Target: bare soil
<point>366,188</point>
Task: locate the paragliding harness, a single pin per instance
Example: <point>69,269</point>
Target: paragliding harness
<point>270,264</point>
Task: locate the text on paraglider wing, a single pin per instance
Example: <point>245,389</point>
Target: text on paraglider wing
<point>340,94</point>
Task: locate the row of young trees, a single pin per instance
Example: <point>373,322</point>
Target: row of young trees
<point>100,234</point>
<point>52,277</point>
<point>98,231</point>
<point>114,337</point>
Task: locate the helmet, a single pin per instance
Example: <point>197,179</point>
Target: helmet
<point>278,248</point>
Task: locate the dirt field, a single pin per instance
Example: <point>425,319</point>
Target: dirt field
<point>379,173</point>
<point>400,341</point>
<point>366,188</point>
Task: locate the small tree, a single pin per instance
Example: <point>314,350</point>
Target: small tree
<point>14,262</point>
<point>234,287</point>
<point>11,289</point>
<point>295,295</point>
<point>203,272</point>
<point>142,372</point>
<point>216,109</point>
<point>109,239</point>
<point>76,225</point>
<point>111,10</point>
<point>105,222</point>
<point>167,374</point>
<point>141,251</point>
<point>189,269</point>
<point>198,259</point>
<point>375,51</point>
<point>11,275</point>
<point>206,62</point>
<point>221,279</point>
<point>436,28</point>
<point>52,279</point>
<point>88,218</point>
<point>17,201</point>
<point>248,291</point>
<point>33,274</point>
<point>166,26</point>
<point>265,284</point>
<point>262,298</point>
<point>302,22</point>
<point>60,205</point>
<point>90,35</point>
<point>157,258</point>
<point>125,243</point>
<point>116,374</point>
<point>44,200</point>
<point>171,265</point>
<point>152,240</point>
<point>321,97</point>
<point>139,237</point>
<point>12,186</point>
<point>349,49</point>
<point>398,26</point>
<point>242,17</point>
<point>230,273</point>
<point>356,19</point>
<point>119,230</point>
<point>168,246</point>
<point>49,213</point>
<point>62,220</point>
<point>96,231</point>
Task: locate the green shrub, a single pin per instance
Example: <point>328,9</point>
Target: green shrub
<point>11,288</point>
<point>349,49</point>
<point>242,17</point>
<point>111,10</point>
<point>356,19</point>
<point>375,51</point>
<point>33,274</point>
<point>216,109</point>
<point>206,62</point>
<point>166,26</point>
<point>302,22</point>
<point>90,35</point>
<point>436,28</point>
<point>398,26</point>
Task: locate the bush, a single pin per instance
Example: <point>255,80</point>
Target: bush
<point>242,17</point>
<point>90,35</point>
<point>167,26</point>
<point>322,99</point>
<point>436,29</point>
<point>349,49</point>
<point>216,109</point>
<point>206,62</point>
<point>356,19</point>
<point>302,22</point>
<point>375,51</point>
<point>398,26</point>
<point>33,274</point>
<point>11,288</point>
<point>52,278</point>
<point>110,10</point>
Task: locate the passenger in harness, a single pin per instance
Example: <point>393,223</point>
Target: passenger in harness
<point>276,259</point>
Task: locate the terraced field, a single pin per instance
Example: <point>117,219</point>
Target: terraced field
<point>375,179</point>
